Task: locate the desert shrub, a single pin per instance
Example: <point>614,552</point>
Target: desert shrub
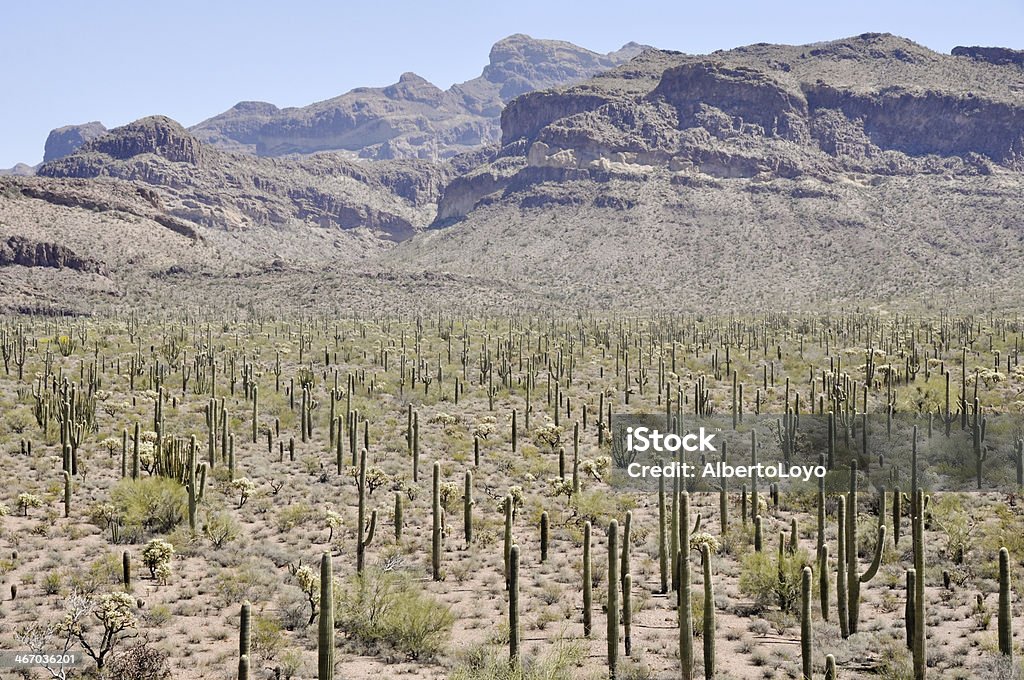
<point>266,637</point>
<point>390,608</point>
<point>139,662</point>
<point>220,528</point>
<point>490,662</point>
<point>774,579</point>
<point>247,582</point>
<point>294,515</point>
<point>957,525</point>
<point>153,504</point>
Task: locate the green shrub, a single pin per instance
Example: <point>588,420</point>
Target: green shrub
<point>152,504</point>
<point>490,662</point>
<point>762,576</point>
<point>389,607</point>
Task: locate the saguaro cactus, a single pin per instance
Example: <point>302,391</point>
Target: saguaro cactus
<point>255,412</point>
<point>723,494</point>
<point>467,507</point>
<point>908,612</point>
<point>662,556</point>
<point>627,613</point>
<point>842,605</point>
<point>853,576</point>
<point>920,660</point>
<point>67,494</point>
<point>627,528</point>
<point>399,516</point>
<point>544,536</point>
<point>193,491</point>
<point>588,587</point>
<point>363,539</point>
<point>685,615</point>
<point>244,628</point>
<point>1005,630</point>
<point>513,605</point>
<point>709,615</point>
<point>823,582</point>
<point>508,536</point>
<point>830,667</point>
<point>805,623</point>
<point>435,533</point>
<point>126,570</point>
<point>613,598</point>
<point>325,630</point>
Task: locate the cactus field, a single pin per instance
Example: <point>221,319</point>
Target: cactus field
<point>244,495</point>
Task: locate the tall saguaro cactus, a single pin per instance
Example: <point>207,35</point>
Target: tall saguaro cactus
<point>920,660</point>
<point>853,576</point>
<point>364,540</point>
<point>244,637</point>
<point>588,584</point>
<point>325,630</point>
<point>685,611</point>
<point>513,605</point>
<point>467,507</point>
<point>709,615</point>
<point>435,533</point>
<point>1005,630</point>
<point>613,598</point>
<point>805,623</point>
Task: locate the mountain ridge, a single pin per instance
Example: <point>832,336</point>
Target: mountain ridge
<point>866,168</point>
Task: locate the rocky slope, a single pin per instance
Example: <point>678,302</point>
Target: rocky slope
<point>867,167</point>
<point>411,118</point>
<point>206,187</point>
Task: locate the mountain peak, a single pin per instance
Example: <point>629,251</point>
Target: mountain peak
<point>158,135</point>
<point>65,140</point>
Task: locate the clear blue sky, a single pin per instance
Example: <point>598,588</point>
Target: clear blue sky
<point>114,61</point>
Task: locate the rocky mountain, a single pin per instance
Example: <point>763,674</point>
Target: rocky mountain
<point>868,169</point>
<point>411,118</point>
<point>201,185</point>
<point>64,141</point>
<point>20,169</point>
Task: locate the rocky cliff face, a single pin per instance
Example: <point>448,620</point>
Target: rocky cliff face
<point>874,103</point>
<point>21,251</point>
<point>994,55</point>
<point>858,167</point>
<point>411,118</point>
<point>64,141</point>
<point>193,184</point>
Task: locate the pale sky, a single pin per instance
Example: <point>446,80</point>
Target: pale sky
<point>68,62</point>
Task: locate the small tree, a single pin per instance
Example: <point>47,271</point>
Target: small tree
<point>28,500</point>
<point>157,557</point>
<point>309,581</point>
<point>112,610</point>
<point>333,521</point>
<point>245,488</point>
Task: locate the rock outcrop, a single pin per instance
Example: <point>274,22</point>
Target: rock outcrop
<point>411,118</point>
<point>193,185</point>
<point>24,252</point>
<point>993,55</point>
<point>66,140</point>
